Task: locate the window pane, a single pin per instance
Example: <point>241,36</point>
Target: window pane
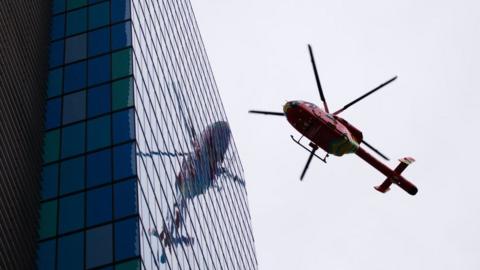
<point>122,93</point>
<point>99,15</point>
<point>99,69</point>
<point>73,140</point>
<point>99,205</point>
<point>52,115</point>
<point>55,82</point>
<point>75,76</point>
<point>99,168</point>
<point>46,255</point>
<point>70,252</point>
<point>71,213</point>
<point>98,133</point>
<point>121,35</point>
<point>98,100</point>
<point>121,63</point>
<point>99,246</point>
<point>74,107</point>
<point>126,239</point>
<point>56,53</point>
<point>48,219</point>
<point>124,161</point>
<point>77,21</point>
<point>129,265</point>
<point>71,4</point>
<point>120,10</point>
<point>49,181</point>
<point>58,6</point>
<point>58,26</point>
<point>51,146</point>
<point>75,48</point>
<point>72,175</point>
<point>123,126</point>
<point>99,41</point>
<point>125,198</point>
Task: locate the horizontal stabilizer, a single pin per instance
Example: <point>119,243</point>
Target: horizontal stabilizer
<point>398,179</point>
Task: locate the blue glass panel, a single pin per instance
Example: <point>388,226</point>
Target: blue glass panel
<point>94,1</point>
<point>58,6</point>
<point>98,133</point>
<point>56,53</point>
<point>72,175</point>
<point>70,252</point>
<point>121,35</point>
<point>99,69</point>
<point>75,76</point>
<point>58,26</point>
<point>52,115</point>
<point>55,82</point>
<point>99,15</point>
<point>71,214</point>
<point>74,107</point>
<point>124,163</point>
<point>46,255</point>
<point>123,126</point>
<point>99,41</point>
<point>125,198</point>
<point>75,48</point>
<point>77,21</point>
<point>120,10</point>
<point>99,205</point>
<point>126,239</point>
<point>49,181</point>
<point>99,246</point>
<point>99,100</point>
<point>73,140</point>
<point>99,168</point>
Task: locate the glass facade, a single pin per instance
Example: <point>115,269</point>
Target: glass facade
<point>139,167</point>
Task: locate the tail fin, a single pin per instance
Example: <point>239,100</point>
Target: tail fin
<point>398,179</point>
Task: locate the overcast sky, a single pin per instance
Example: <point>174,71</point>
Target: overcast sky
<point>335,219</point>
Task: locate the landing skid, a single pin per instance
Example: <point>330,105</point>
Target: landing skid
<point>324,159</point>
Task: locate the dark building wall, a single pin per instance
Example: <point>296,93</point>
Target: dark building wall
<point>24,26</point>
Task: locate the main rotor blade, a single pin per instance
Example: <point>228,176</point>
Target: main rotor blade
<point>317,79</point>
<point>308,163</point>
<point>365,95</point>
<point>267,112</point>
<point>375,150</point>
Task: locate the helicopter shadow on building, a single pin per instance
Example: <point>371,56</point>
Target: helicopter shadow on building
<point>200,170</point>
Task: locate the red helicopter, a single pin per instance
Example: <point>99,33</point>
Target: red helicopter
<point>338,137</point>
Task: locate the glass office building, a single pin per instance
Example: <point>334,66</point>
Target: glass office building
<point>139,167</point>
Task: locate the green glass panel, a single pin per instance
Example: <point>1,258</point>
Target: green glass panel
<point>121,63</point>
<point>55,82</point>
<point>129,265</point>
<point>48,219</point>
<point>122,93</point>
<point>51,146</point>
<point>71,4</point>
<point>98,133</point>
<point>99,15</point>
<point>77,21</point>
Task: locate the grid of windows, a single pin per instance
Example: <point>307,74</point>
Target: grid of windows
<point>140,170</point>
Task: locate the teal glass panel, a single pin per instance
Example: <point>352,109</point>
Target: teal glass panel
<point>99,205</point>
<point>125,198</point>
<point>71,214</point>
<point>73,140</point>
<point>72,175</point>
<point>48,219</point>
<point>124,162</point>
<point>51,146</point>
<point>46,255</point>
<point>98,133</point>
<point>122,93</point>
<point>49,181</point>
<point>71,4</point>
<point>129,265</point>
<point>74,106</point>
<point>75,48</point>
<point>76,21</point>
<point>121,35</point>
<point>121,63</point>
<point>99,246</point>
<point>71,252</point>
<point>126,239</point>
<point>55,82</point>
<point>99,168</point>
<point>99,15</point>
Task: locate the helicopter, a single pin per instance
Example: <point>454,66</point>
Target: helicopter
<point>336,136</point>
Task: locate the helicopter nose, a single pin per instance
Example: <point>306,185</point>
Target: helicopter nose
<point>286,107</point>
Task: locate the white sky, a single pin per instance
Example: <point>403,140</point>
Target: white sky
<point>335,219</point>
